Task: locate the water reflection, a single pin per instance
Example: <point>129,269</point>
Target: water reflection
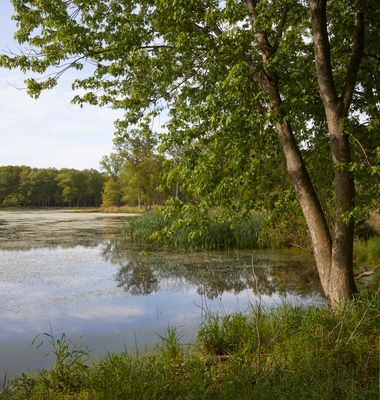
<point>138,278</point>
<point>213,273</point>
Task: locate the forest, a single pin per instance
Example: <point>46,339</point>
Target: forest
<point>50,187</point>
<point>133,179</point>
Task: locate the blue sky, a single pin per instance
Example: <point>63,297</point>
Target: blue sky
<point>48,132</point>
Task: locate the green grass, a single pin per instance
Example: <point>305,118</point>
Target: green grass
<point>367,259</point>
<point>287,353</point>
<point>153,228</point>
<point>367,252</point>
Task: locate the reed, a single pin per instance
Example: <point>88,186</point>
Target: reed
<point>153,228</point>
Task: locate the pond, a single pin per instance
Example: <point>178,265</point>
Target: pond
<point>73,273</point>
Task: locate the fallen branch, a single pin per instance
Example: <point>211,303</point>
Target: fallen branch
<point>363,274</point>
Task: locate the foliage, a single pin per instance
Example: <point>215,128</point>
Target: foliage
<point>25,186</point>
<point>223,336</point>
<point>140,181</point>
<point>205,232</point>
<point>134,171</point>
<point>112,193</point>
<point>285,225</point>
<point>286,353</point>
<point>70,364</point>
<point>196,61</point>
<point>111,165</point>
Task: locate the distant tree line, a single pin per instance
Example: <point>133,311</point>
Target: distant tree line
<point>49,187</point>
<point>136,174</point>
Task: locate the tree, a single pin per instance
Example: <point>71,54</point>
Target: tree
<point>46,187</point>
<point>112,193</point>
<point>92,188</point>
<point>69,182</point>
<point>38,186</point>
<point>112,165</point>
<point>249,84</point>
<point>80,188</point>
<point>141,180</point>
<point>9,184</point>
<point>143,166</point>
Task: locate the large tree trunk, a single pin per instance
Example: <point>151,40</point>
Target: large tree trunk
<point>308,199</point>
<point>342,284</point>
<point>332,251</point>
<point>309,202</point>
<point>333,255</point>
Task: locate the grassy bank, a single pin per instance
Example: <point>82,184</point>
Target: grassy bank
<point>287,353</point>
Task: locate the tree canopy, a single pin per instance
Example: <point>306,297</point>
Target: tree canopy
<point>251,88</point>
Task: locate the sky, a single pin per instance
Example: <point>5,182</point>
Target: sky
<point>49,131</point>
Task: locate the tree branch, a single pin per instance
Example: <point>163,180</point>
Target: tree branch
<point>251,5</point>
<point>322,53</point>
<point>356,56</point>
<point>261,37</point>
<point>280,28</point>
<point>363,150</point>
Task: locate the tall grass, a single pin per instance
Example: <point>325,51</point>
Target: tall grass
<point>154,228</point>
<point>367,252</point>
<point>287,353</point>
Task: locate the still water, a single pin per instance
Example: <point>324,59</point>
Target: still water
<point>65,272</point>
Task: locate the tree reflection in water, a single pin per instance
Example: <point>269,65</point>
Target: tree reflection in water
<point>213,273</point>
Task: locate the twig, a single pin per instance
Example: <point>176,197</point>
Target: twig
<point>362,149</point>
